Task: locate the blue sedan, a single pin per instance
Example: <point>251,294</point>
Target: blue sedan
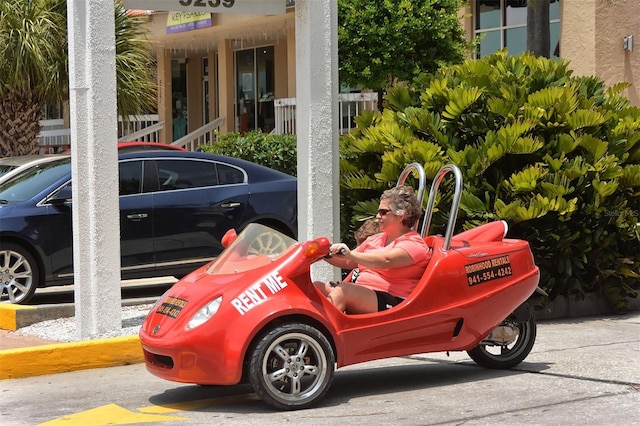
<point>174,209</point>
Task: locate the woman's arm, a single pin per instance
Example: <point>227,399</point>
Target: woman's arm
<point>378,259</point>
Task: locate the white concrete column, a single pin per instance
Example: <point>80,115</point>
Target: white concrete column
<point>317,124</point>
<point>94,159</point>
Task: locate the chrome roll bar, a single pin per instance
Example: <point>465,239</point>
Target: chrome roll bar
<point>455,203</point>
<point>422,183</point>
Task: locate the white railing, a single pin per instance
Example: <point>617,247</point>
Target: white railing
<point>54,136</point>
<point>203,135</point>
<point>350,105</point>
<point>139,128</point>
<point>285,116</point>
<point>146,134</point>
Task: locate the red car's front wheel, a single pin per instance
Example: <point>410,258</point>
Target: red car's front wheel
<point>291,366</point>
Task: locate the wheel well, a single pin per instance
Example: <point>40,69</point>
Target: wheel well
<point>32,251</point>
<point>282,320</point>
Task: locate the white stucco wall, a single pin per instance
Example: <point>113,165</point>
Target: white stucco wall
<point>592,37</point>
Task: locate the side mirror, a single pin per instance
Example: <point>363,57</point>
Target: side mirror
<point>229,237</point>
<point>61,197</point>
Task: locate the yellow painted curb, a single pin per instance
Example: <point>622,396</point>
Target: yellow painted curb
<point>72,356</point>
<point>9,313</point>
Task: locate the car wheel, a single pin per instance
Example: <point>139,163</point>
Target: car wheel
<point>504,356</point>
<point>291,366</point>
<point>268,243</point>
<point>19,273</point>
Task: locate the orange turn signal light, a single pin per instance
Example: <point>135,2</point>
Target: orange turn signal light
<point>311,248</point>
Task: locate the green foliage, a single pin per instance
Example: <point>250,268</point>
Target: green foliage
<point>34,67</point>
<point>385,41</point>
<point>136,83</point>
<point>33,45</point>
<point>556,156</point>
<point>275,151</point>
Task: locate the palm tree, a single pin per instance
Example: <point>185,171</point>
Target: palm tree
<point>34,68</point>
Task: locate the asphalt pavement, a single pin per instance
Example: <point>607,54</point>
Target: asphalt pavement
<point>580,372</point>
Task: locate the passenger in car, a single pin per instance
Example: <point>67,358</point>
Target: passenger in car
<point>390,263</point>
<point>368,228</point>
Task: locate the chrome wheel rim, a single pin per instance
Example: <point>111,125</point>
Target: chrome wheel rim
<point>295,367</point>
<point>16,276</point>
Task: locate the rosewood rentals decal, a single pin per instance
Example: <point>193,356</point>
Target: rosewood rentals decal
<point>487,270</point>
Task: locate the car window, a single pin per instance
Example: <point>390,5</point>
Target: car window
<point>185,174</point>
<point>130,173</point>
<point>6,168</point>
<point>31,181</point>
<point>228,175</point>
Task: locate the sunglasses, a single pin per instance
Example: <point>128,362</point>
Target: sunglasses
<point>382,212</point>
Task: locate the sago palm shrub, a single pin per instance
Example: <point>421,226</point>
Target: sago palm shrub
<point>556,156</point>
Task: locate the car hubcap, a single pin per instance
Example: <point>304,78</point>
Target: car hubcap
<point>15,275</point>
<point>295,367</point>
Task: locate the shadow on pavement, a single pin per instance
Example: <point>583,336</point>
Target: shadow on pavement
<point>347,385</point>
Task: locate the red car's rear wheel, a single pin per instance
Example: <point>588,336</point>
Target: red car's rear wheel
<point>508,354</point>
<point>291,366</point>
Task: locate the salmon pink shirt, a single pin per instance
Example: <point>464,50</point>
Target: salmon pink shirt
<point>398,282</point>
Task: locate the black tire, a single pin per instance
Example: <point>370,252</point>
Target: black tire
<point>507,356</point>
<point>291,366</point>
<point>19,274</point>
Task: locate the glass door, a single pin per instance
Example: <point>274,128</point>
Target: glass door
<point>255,89</point>
<point>179,98</point>
<point>266,114</point>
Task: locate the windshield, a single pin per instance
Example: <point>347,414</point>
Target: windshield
<point>31,181</point>
<point>256,246</point>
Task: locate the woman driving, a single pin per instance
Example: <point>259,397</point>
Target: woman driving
<point>390,263</point>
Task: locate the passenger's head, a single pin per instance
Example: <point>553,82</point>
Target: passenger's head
<point>368,228</point>
<point>402,201</point>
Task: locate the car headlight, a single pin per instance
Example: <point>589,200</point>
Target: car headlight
<point>206,312</point>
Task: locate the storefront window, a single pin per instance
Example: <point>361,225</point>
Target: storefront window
<point>503,23</point>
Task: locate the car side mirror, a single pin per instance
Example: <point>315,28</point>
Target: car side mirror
<point>229,237</point>
<point>61,197</point>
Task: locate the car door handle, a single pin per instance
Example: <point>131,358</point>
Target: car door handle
<point>229,205</point>
<point>137,216</point>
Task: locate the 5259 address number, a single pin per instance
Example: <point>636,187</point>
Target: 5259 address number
<point>207,3</point>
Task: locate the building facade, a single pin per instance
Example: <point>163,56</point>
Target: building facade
<point>233,67</point>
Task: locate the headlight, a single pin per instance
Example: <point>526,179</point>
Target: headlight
<point>206,312</point>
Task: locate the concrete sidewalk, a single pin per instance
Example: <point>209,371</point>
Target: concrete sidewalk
<point>22,355</point>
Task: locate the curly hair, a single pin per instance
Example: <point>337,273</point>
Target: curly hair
<point>403,201</point>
